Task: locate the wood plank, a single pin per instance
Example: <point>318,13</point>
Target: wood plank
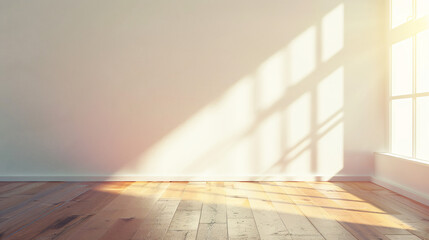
<point>35,197</point>
<point>364,212</point>
<point>74,213</point>
<point>208,210</point>
<point>346,209</point>
<point>185,220</point>
<point>156,224</point>
<point>8,202</point>
<point>308,237</point>
<point>242,228</point>
<point>295,221</point>
<point>324,222</point>
<point>403,237</point>
<point>37,209</point>
<point>123,228</point>
<point>187,216</point>
<point>181,234</point>
<point>363,231</point>
<point>214,204</point>
<point>11,186</point>
<point>238,205</point>
<point>241,223</point>
<point>216,231</point>
<point>407,216</point>
<point>268,222</point>
<point>21,189</point>
<point>134,202</point>
<point>157,221</point>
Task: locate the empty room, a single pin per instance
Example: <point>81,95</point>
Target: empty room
<point>214,119</point>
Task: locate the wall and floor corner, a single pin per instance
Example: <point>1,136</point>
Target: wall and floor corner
<point>192,90</point>
<point>402,175</point>
<point>404,167</point>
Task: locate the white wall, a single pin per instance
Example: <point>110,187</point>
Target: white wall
<point>191,88</point>
<point>405,176</point>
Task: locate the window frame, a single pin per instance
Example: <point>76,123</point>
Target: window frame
<point>415,27</point>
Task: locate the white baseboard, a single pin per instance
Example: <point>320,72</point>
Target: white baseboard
<point>403,190</point>
<point>185,178</point>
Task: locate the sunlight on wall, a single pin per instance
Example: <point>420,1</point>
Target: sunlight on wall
<point>198,89</point>
<point>286,68</point>
<point>303,55</point>
<point>330,97</point>
<point>297,134</point>
<point>260,124</point>
<point>333,32</point>
<point>298,123</point>
<point>239,156</point>
<point>330,100</point>
<point>330,150</point>
<point>269,143</point>
<point>299,159</point>
<point>271,80</point>
<point>213,128</point>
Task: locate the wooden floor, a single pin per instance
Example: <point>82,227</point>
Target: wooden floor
<point>208,210</point>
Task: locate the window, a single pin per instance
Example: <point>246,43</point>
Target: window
<point>409,78</point>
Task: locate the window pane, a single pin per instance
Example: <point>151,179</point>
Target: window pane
<point>402,127</point>
<point>422,64</point>
<point>422,128</point>
<point>402,67</point>
<point>402,11</point>
<point>422,8</point>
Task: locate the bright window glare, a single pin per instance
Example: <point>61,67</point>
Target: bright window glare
<point>402,11</point>
<point>422,127</point>
<point>422,64</point>
<point>422,8</point>
<point>333,32</point>
<point>410,79</point>
<point>402,67</point>
<point>402,127</point>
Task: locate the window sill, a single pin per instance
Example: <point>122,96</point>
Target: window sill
<point>409,159</point>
